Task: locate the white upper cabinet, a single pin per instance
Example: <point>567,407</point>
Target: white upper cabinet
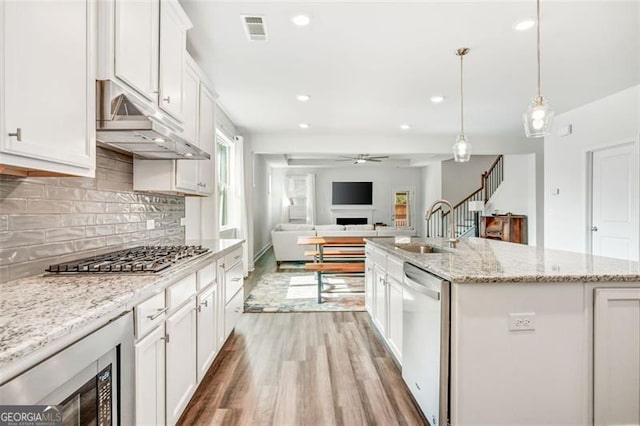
<point>187,170</point>
<point>174,24</point>
<point>136,38</point>
<point>47,88</point>
<point>207,139</point>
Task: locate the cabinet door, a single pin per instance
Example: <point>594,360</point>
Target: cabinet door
<point>207,138</point>
<point>207,340</point>
<point>149,378</point>
<point>369,288</point>
<point>380,317</point>
<point>233,280</point>
<point>172,48</point>
<point>394,331</point>
<point>233,312</point>
<point>220,304</point>
<point>616,343</point>
<point>187,170</point>
<point>181,360</point>
<point>136,37</point>
<point>47,92</point>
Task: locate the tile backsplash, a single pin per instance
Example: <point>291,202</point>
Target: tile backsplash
<point>51,220</point>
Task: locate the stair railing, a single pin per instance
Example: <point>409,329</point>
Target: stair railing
<point>490,181</point>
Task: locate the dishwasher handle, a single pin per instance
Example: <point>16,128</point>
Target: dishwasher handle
<point>425,289</point>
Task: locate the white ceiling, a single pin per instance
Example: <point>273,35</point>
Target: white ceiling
<point>308,160</point>
<point>371,66</point>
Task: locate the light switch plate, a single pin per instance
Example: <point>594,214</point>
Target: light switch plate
<point>522,321</point>
<point>151,224</point>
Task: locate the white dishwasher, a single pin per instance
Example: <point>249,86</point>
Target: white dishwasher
<point>425,342</point>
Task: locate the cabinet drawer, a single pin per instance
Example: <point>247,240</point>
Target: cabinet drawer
<point>149,314</point>
<point>379,258</point>
<point>181,291</point>
<point>232,258</point>
<point>233,281</point>
<point>394,267</point>
<point>232,312</point>
<point>206,276</point>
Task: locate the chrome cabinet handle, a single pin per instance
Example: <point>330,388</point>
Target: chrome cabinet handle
<point>157,314</point>
<point>594,229</point>
<point>167,99</point>
<point>205,303</point>
<point>17,134</point>
<point>235,280</point>
<point>165,338</point>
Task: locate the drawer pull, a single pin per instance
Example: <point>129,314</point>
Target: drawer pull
<point>17,134</point>
<point>236,279</point>
<point>205,303</point>
<point>157,314</point>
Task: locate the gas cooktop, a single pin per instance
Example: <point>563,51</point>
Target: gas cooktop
<point>143,259</point>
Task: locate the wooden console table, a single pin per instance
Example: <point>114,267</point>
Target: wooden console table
<point>508,227</point>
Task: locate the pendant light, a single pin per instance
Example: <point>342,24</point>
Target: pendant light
<point>539,116</point>
<point>462,148</point>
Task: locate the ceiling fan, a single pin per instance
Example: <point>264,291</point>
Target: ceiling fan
<point>363,158</point>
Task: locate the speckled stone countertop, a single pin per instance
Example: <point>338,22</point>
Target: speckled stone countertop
<point>478,260</point>
<point>37,311</point>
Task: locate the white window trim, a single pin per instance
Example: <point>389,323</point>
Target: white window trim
<point>220,136</point>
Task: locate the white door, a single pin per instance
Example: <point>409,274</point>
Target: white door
<point>136,45</point>
<point>181,360</point>
<point>172,48</point>
<point>47,96</point>
<point>616,358</point>
<point>615,210</point>
<point>207,340</point>
<point>149,378</point>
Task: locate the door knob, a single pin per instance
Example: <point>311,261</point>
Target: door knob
<point>594,229</point>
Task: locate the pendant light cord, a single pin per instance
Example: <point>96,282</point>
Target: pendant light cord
<point>461,97</point>
<point>538,41</point>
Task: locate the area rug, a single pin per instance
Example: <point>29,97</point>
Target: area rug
<point>297,292</point>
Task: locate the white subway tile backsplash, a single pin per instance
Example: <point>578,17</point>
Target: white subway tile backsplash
<point>44,221</point>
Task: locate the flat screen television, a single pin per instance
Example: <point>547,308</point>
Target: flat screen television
<point>356,193</point>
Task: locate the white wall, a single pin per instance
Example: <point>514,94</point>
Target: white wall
<point>459,180</point>
<point>609,121</point>
<point>261,205</point>
<point>385,180</point>
<point>431,184</point>
<point>517,193</point>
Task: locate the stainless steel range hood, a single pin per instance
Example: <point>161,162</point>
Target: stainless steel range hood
<point>128,123</point>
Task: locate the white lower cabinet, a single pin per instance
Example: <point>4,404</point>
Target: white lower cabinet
<point>394,329</point>
<point>369,293</point>
<point>220,334</point>
<point>232,312</point>
<point>149,378</point>
<point>181,359</point>
<point>380,299</point>
<point>616,356</point>
<point>206,324</point>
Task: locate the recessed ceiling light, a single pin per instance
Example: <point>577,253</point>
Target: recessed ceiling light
<point>525,25</point>
<point>303,98</point>
<point>405,126</point>
<point>436,99</point>
<point>301,20</point>
<point>304,125</point>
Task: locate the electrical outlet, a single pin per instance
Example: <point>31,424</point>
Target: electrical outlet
<point>522,322</point>
<point>151,224</point>
<point>183,221</point>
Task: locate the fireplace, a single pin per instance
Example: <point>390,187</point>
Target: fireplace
<point>352,220</point>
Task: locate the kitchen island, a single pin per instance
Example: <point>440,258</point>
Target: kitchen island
<point>558,331</point>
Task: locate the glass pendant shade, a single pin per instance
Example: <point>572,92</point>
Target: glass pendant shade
<point>461,149</point>
<point>538,118</point>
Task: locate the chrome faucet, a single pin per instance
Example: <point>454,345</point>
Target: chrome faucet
<point>452,222</point>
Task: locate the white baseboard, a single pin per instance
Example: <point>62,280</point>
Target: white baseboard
<point>262,252</point>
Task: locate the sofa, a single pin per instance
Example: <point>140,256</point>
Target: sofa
<point>285,237</point>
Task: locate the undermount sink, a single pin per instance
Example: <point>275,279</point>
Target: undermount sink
<point>419,248</point>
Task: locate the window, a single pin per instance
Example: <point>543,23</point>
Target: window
<point>223,159</point>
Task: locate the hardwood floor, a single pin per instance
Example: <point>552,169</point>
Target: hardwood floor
<point>303,369</point>
<point>266,263</point>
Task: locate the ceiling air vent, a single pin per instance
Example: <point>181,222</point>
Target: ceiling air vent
<point>254,27</point>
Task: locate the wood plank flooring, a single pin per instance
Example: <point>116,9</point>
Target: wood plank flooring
<point>326,368</point>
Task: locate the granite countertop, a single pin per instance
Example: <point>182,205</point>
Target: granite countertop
<point>479,260</point>
<point>40,310</point>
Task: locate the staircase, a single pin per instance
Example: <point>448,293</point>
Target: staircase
<point>438,225</point>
